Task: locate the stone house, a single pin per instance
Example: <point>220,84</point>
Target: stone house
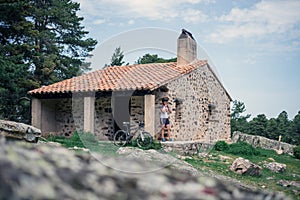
<point>101,100</point>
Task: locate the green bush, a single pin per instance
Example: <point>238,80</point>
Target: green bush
<point>221,146</point>
<point>242,148</point>
<point>297,152</point>
<point>156,145</point>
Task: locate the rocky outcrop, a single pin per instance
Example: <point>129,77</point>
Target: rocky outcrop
<point>20,131</point>
<point>157,160</point>
<point>262,142</point>
<point>49,171</point>
<point>275,167</point>
<point>244,166</point>
<point>286,183</point>
<point>187,148</point>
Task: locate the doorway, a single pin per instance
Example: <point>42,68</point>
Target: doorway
<point>121,111</point>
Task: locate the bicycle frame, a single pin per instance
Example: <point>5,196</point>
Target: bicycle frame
<point>129,129</point>
<point>124,136</point>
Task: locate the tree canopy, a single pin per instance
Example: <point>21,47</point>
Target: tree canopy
<point>153,58</point>
<point>238,121</point>
<point>117,58</point>
<point>260,125</point>
<point>42,42</point>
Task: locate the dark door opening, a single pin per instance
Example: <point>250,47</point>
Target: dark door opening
<point>121,111</point>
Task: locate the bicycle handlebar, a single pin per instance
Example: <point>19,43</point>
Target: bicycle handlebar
<point>141,124</point>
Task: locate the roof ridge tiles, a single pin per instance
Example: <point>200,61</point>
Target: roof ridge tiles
<point>147,76</point>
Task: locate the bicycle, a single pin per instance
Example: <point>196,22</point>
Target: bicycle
<point>123,137</point>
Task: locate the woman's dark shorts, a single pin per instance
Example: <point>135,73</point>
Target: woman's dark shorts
<point>164,121</point>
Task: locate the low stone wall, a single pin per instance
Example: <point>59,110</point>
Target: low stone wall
<point>262,142</point>
<point>187,148</point>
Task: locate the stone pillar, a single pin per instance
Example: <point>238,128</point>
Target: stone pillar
<point>89,114</point>
<point>36,113</point>
<point>149,118</point>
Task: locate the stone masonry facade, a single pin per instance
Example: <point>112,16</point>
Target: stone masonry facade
<point>193,119</point>
<point>69,115</point>
<point>201,115</point>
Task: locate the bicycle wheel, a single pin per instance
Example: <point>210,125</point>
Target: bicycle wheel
<point>120,138</point>
<point>144,140</point>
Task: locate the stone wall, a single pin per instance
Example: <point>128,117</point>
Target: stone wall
<point>262,142</point>
<point>188,148</point>
<point>68,115</point>
<point>192,120</point>
<point>104,126</point>
<point>136,110</point>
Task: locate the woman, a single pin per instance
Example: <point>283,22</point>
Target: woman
<point>164,119</point>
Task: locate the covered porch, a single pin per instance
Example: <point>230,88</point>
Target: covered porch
<point>99,113</point>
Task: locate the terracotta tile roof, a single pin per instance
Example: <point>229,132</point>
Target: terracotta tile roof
<point>131,77</point>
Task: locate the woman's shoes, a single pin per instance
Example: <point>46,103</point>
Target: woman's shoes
<point>164,139</point>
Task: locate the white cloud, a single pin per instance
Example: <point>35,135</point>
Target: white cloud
<point>130,22</point>
<point>150,9</point>
<point>250,60</point>
<point>193,16</point>
<point>266,17</point>
<point>99,21</point>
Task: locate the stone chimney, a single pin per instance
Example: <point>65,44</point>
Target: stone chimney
<point>186,48</point>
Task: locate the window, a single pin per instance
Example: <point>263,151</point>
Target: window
<point>178,109</point>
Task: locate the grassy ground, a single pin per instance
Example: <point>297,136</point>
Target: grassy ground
<point>214,164</point>
<point>89,141</point>
<point>266,181</point>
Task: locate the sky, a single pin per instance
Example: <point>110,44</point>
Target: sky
<point>254,46</point>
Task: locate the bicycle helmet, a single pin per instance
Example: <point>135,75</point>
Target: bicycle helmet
<point>165,99</point>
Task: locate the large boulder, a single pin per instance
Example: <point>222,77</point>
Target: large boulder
<point>244,166</point>
<point>49,171</point>
<point>275,166</point>
<point>19,131</point>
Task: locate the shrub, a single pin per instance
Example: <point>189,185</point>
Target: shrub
<point>297,152</point>
<point>242,148</point>
<point>221,146</point>
<point>156,145</point>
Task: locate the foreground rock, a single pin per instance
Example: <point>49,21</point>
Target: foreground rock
<point>20,131</point>
<point>275,167</point>
<point>48,171</point>
<point>244,166</point>
<point>157,160</point>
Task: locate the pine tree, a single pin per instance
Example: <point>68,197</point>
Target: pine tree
<point>295,135</point>
<point>42,42</point>
<point>117,58</point>
<point>60,47</point>
<point>258,125</point>
<point>239,121</point>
